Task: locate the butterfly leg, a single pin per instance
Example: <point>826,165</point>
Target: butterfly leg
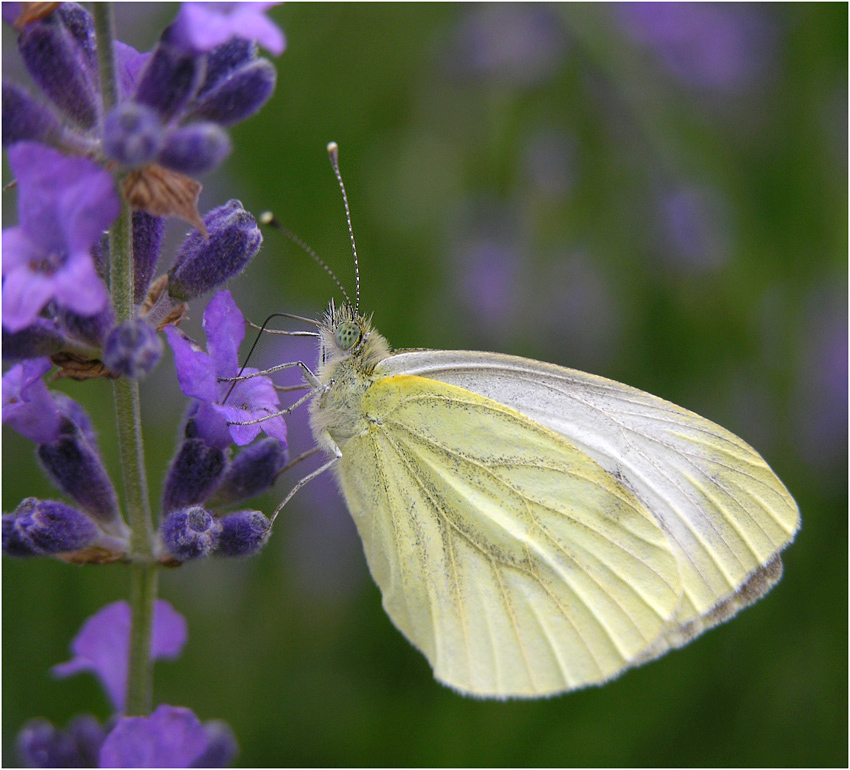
<point>327,442</point>
<point>313,381</point>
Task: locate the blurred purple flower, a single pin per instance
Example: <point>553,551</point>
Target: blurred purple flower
<point>576,311</point>
<point>820,401</point>
<point>709,45</point>
<point>170,737</point>
<point>198,374</point>
<point>518,44</point>
<point>549,161</point>
<point>64,205</point>
<point>694,230</point>
<point>27,404</point>
<point>40,744</point>
<point>102,646</point>
<point>203,26</point>
<point>489,282</point>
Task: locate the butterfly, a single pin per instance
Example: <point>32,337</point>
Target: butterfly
<point>534,529</point>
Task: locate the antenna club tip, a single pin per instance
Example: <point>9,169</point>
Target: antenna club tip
<point>333,151</point>
<point>266,218</point>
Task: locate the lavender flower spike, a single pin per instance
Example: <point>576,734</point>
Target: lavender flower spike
<point>64,205</point>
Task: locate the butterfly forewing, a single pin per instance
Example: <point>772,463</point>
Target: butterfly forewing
<point>511,558</point>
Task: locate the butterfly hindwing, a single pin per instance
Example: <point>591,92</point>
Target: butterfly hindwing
<point>511,558</point>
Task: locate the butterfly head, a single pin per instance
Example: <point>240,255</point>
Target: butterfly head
<point>348,336</point>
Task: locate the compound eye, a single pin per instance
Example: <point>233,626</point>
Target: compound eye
<point>347,335</point>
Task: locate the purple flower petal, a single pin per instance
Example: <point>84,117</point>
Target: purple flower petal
<point>212,425</point>
<point>103,643</point>
<point>204,26</point>
<point>87,205</point>
<point>222,402</point>
<point>27,404</point>
<point>195,369</point>
<point>251,400</point>
<point>240,434</point>
<point>25,293</point>
<point>170,737</point>
<point>64,205</point>
<point>16,248</point>
<point>78,287</point>
<point>128,64</point>
<point>63,200</point>
<point>224,326</point>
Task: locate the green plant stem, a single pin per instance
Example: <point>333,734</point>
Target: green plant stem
<point>104,27</point>
<point>143,571</point>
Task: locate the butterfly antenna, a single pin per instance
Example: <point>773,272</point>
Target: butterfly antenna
<point>270,220</point>
<point>333,154</point>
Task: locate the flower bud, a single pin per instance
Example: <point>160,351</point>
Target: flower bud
<point>24,118</point>
<point>60,54</point>
<point>133,349</point>
<point>238,87</point>
<point>253,471</point>
<point>40,744</point>
<point>169,79</point>
<point>195,149</point>
<point>132,134</point>
<point>221,746</point>
<point>148,233</point>
<point>75,467</point>
<point>243,533</point>
<point>41,527</point>
<point>194,473</point>
<point>224,60</point>
<point>190,533</point>
<point>76,414</point>
<point>42,338</point>
<point>201,266</point>
<point>90,329</point>
<point>88,734</point>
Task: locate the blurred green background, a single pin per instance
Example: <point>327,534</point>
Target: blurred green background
<point>657,195</point>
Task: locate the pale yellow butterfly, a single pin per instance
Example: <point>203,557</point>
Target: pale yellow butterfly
<point>534,529</point>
